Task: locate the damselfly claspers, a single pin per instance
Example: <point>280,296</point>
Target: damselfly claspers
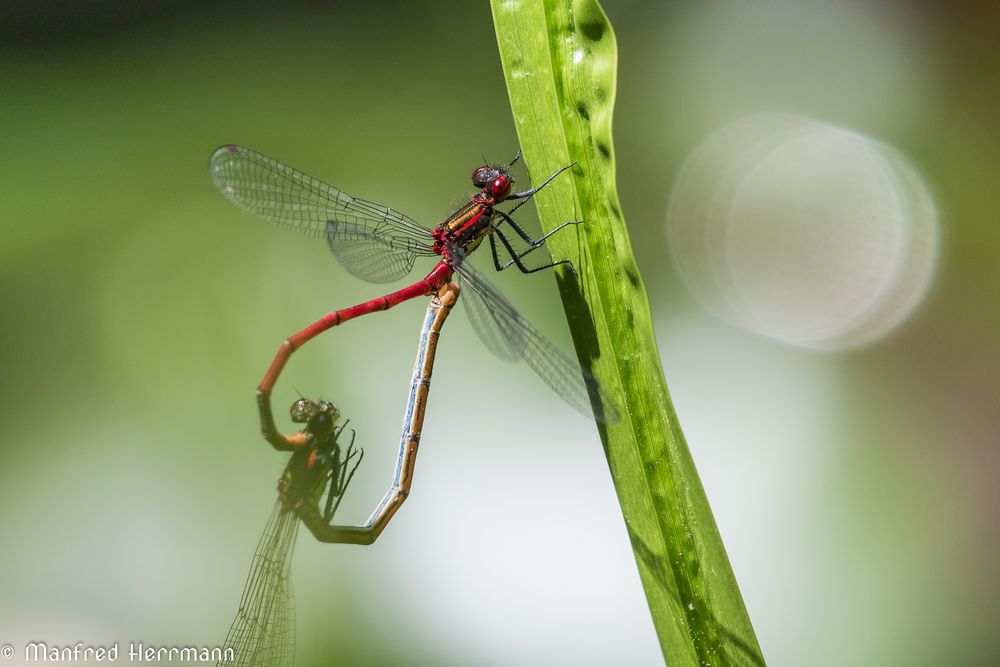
<point>380,244</point>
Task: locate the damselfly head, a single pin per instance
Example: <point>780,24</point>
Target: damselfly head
<point>495,181</point>
<point>318,416</point>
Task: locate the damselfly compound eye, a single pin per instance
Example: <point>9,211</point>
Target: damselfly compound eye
<point>501,187</point>
<point>302,410</point>
<point>481,176</point>
<point>329,409</point>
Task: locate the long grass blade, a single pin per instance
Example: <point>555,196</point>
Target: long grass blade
<point>560,61</point>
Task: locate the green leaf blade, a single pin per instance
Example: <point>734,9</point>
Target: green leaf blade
<point>560,63</point>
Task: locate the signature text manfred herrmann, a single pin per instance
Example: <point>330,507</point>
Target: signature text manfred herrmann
<point>136,652</point>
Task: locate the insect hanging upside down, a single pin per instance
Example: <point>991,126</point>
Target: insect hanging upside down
<point>310,491</point>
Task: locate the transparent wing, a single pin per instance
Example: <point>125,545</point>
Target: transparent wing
<point>561,372</point>
<point>355,229</point>
<point>263,632</point>
<point>495,332</point>
<point>370,257</point>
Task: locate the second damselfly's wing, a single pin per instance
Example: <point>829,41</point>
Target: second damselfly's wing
<point>510,336</point>
<point>263,632</point>
<point>357,230</point>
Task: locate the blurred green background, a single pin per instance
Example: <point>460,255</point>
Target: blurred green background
<point>856,491</point>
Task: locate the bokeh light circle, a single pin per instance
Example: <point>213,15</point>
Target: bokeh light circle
<point>802,231</point>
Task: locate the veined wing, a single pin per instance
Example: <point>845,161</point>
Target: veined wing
<point>377,258</point>
<point>263,632</point>
<point>505,341</point>
<point>520,340</point>
<point>356,229</point>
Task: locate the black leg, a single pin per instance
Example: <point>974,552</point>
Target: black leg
<point>340,479</point>
<point>496,258</point>
<point>340,429</point>
<point>515,258</point>
<point>528,193</point>
<point>535,243</point>
<point>331,493</point>
<point>348,455</point>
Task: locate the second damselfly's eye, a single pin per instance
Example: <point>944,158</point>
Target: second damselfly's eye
<point>329,409</point>
<point>302,410</point>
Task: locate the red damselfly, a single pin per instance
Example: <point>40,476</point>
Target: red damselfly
<point>310,490</point>
<point>380,244</point>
